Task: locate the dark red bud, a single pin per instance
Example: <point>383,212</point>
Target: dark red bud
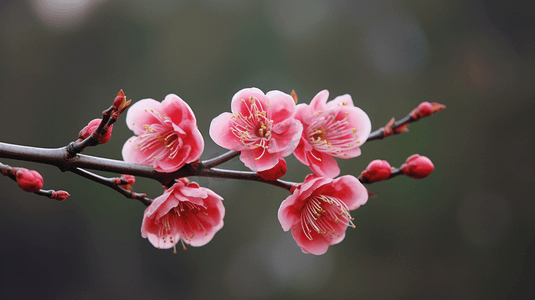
<point>274,173</point>
<point>119,100</point>
<point>60,195</point>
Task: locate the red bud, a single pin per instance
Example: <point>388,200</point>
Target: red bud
<point>129,179</point>
<point>377,170</point>
<point>274,173</point>
<point>417,166</point>
<point>29,180</point>
<point>119,100</point>
<point>92,126</point>
<point>60,195</point>
<point>426,109</point>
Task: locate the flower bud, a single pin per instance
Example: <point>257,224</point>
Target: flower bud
<point>92,126</point>
<point>119,100</point>
<point>274,173</point>
<point>417,166</point>
<point>129,179</point>
<point>425,109</point>
<point>377,170</point>
<point>59,195</point>
<point>29,180</point>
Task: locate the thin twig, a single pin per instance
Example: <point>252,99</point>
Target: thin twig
<point>110,182</point>
<point>52,194</point>
<point>380,133</point>
<point>425,109</point>
<point>214,162</point>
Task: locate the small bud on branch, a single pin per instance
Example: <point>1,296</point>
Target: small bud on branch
<point>28,180</point>
<point>417,166</point>
<point>377,170</point>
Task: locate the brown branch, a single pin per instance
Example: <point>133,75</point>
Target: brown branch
<point>59,157</point>
<point>425,109</point>
<point>56,195</point>
<point>114,184</point>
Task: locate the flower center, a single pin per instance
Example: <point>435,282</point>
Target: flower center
<point>160,139</point>
<point>329,135</point>
<point>184,221</point>
<point>322,214</point>
<point>254,128</point>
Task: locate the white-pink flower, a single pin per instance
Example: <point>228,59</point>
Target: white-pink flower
<point>167,134</point>
<point>318,211</point>
<point>333,129</point>
<point>261,126</point>
<point>184,212</point>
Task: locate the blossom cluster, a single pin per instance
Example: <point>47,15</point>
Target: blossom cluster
<point>265,129</point>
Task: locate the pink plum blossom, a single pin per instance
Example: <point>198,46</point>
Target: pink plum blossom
<point>185,212</point>
<point>333,129</point>
<point>317,212</point>
<point>261,126</point>
<point>166,138</point>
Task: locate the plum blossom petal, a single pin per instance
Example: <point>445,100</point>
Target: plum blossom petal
<point>185,212</point>
<point>167,136</point>
<point>261,126</point>
<point>330,129</point>
<point>318,211</point>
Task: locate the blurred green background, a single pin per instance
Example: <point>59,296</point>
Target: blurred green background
<point>465,232</point>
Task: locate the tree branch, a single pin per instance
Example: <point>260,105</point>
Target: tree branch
<point>423,110</point>
<point>112,183</point>
<point>214,162</point>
